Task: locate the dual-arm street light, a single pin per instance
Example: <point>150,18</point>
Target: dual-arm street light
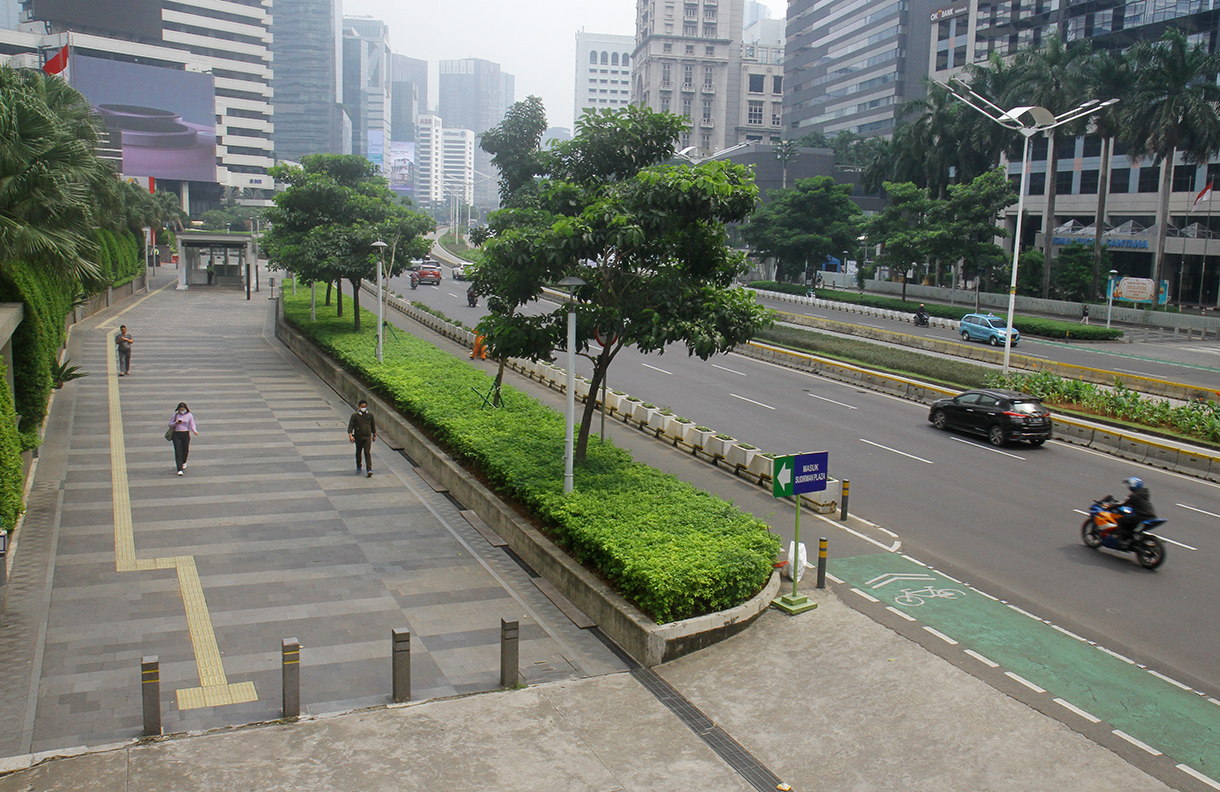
<point>1029,121</point>
<point>1110,297</point>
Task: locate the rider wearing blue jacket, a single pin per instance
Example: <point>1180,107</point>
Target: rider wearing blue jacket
<point>1139,501</point>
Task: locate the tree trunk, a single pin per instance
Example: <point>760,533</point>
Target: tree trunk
<point>1103,187</point>
<point>328,285</point>
<point>586,419</point>
<point>355,303</point>
<point>1048,219</point>
<point>1162,223</point>
<point>339,297</point>
<point>495,399</point>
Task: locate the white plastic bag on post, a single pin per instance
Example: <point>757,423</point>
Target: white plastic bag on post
<point>799,567</point>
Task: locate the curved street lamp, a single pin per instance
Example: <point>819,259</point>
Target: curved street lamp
<point>1029,120</point>
<point>381,246</point>
<point>571,283</point>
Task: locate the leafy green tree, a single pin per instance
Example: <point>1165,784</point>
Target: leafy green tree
<point>1172,111</point>
<point>647,239</point>
<point>969,218</point>
<point>1108,76</point>
<point>786,152</point>
<point>1029,273</point>
<point>324,224</point>
<point>515,144</point>
<point>903,229</point>
<point>804,226</point>
<point>1075,276</point>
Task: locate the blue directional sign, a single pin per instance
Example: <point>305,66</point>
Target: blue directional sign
<point>799,473</point>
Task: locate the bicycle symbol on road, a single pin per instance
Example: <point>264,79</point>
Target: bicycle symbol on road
<point>913,598</point>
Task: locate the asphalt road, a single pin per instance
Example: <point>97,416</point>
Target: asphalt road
<point>1004,520</point>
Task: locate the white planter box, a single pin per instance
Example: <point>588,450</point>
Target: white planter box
<point>676,429</point>
<point>717,446</point>
<point>659,422</point>
<point>626,406</point>
<point>739,457</point>
<point>614,401</point>
<point>641,414</point>
<point>760,465</point>
<point>692,436</point>
<point>582,388</point>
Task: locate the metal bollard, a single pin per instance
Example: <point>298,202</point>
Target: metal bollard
<point>843,500</point>
<point>510,652</point>
<point>401,659</point>
<point>290,664</point>
<point>822,542</point>
<point>150,689</point>
<point>3,557</point>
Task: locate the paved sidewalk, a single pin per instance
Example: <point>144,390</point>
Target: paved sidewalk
<point>288,542</point>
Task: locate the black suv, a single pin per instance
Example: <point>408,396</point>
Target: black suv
<point>998,415</point>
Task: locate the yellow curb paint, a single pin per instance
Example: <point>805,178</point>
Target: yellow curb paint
<point>214,689</point>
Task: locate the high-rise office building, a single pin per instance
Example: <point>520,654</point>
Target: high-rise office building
<point>429,160</point>
<point>308,78</point>
<point>408,94</point>
<point>687,61</point>
<point>458,164</point>
<point>849,65</point>
<point>753,11</point>
<point>9,14</point>
<point>366,86</point>
<point>474,94</point>
<point>603,72</point>
<point>760,116</point>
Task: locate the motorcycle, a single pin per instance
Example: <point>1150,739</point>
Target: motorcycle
<point>921,320</point>
<point>472,297</point>
<point>414,281</point>
<point>1100,529</point>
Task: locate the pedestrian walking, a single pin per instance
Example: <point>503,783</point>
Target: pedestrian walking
<point>480,348</point>
<point>123,342</point>
<point>181,426</point>
<point>362,430</point>
<point>1084,314</point>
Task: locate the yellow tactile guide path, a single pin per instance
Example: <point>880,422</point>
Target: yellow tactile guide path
<point>214,688</point>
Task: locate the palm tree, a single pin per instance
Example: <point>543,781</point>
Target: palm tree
<point>1172,111</point>
<point>786,152</point>
<point>50,176</point>
<point>1109,77</point>
<point>1051,77</point>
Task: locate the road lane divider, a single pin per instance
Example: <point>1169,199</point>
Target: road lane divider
<point>896,451</point>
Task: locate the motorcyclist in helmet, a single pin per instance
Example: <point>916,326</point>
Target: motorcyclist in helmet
<point>921,315</point>
<point>1138,508</point>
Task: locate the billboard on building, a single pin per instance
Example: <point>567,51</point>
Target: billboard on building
<point>140,18</point>
<point>163,119</point>
<point>402,167</point>
<point>376,143</point>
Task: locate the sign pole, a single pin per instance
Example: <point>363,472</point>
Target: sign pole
<point>796,546</point>
<point>792,476</point>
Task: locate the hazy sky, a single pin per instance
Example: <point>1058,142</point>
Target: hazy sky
<point>534,40</point>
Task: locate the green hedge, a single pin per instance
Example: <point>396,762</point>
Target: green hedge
<point>10,461</point>
<point>1028,325</point>
<point>896,360</point>
<point>670,549</point>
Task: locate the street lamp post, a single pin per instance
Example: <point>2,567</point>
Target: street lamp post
<point>571,283</point>
<point>381,246</point>
<point>1110,297</point>
<point>1029,121</point>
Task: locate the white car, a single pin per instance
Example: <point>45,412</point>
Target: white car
<point>459,273</point>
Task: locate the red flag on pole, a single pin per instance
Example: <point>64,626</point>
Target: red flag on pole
<point>152,184</point>
<point>1204,195</point>
<point>58,63</point>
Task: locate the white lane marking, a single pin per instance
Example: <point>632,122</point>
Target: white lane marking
<point>731,371</point>
<point>1022,612</point>
<point>1190,771</point>
<point>832,401</point>
<point>896,451</point>
<point>915,561</point>
<point>1179,544</point>
<point>833,579</point>
<point>1069,633</point>
<point>751,401</point>
<point>1138,373</point>
<point>941,636</point>
<point>1024,681</point>
<point>893,548</point>
<point>868,597</point>
<point>1078,711</point>
<point>900,613</point>
<point>451,294</point>
<point>654,368</point>
<point>1116,655</point>
<point>1170,680</point>
<point>984,660</point>
<point>1081,511</point>
<point>1200,511</point>
<point>866,324</point>
<point>987,448</point>
<point>1137,743</point>
<point>1032,355</point>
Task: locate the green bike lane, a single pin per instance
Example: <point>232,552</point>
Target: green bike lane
<point>1093,683</point>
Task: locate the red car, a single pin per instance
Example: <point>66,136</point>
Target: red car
<point>427,273</point>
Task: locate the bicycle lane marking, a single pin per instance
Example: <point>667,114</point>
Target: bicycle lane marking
<point>1155,710</point>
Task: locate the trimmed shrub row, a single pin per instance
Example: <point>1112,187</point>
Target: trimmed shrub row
<point>670,549</point>
<point>1028,325</point>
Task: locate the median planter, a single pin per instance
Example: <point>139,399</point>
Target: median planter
<point>761,465</point>
<point>739,455</point>
<point>677,427</point>
<point>641,413</point>
<point>695,436</point>
<point>615,400</point>
<point>582,388</point>
<point>718,445</point>
<point>658,422</point>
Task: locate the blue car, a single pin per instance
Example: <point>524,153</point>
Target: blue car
<point>987,327</point>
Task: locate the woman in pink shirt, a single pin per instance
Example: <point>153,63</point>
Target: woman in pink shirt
<point>183,423</point>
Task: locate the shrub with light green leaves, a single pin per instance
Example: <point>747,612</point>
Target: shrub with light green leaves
<point>670,549</point>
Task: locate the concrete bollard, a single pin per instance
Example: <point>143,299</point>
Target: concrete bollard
<point>150,690</point>
<point>822,543</point>
<point>843,500</point>
<point>510,653</point>
<point>290,664</point>
<point>401,659</point>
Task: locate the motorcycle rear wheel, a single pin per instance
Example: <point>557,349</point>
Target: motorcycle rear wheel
<point>1090,535</point>
<point>1150,552</point>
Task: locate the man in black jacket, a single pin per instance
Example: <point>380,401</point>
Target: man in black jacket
<point>362,430</point>
<point>1140,503</point>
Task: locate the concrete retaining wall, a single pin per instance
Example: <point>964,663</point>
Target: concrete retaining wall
<point>645,640</point>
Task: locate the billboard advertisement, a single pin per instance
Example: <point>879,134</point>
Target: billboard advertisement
<point>1137,290</point>
<point>376,144</point>
<point>163,119</point>
<point>402,167</point>
<point>139,18</point>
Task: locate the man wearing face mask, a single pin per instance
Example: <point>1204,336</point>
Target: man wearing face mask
<point>362,430</point>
